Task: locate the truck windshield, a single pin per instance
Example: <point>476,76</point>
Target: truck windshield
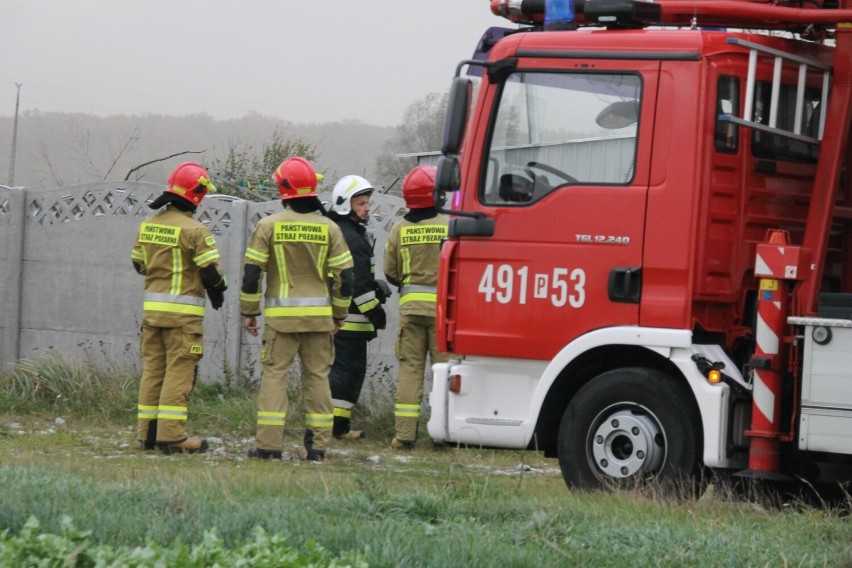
<point>556,129</point>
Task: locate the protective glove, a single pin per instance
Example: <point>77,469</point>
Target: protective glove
<point>383,291</point>
<point>217,297</point>
<point>378,317</point>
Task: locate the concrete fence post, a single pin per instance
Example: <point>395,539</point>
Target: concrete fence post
<point>11,304</point>
<point>233,267</point>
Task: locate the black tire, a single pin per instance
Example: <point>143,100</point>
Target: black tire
<point>631,427</point>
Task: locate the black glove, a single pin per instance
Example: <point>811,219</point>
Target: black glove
<point>383,291</point>
<point>217,297</point>
<point>378,317</point>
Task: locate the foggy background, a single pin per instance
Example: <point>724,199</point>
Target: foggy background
<point>109,85</point>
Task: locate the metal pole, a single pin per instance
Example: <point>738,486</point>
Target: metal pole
<point>14,138</point>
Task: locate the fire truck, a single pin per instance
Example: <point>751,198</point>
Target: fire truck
<point>648,273</point>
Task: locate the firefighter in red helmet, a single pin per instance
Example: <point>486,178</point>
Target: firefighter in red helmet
<point>411,263</point>
<point>297,249</point>
<point>180,262</point>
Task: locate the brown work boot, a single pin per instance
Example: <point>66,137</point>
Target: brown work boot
<point>352,435</point>
<point>397,444</point>
<point>188,446</point>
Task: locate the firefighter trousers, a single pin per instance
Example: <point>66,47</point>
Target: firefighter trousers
<point>346,379</point>
<point>170,358</point>
<point>415,341</point>
<point>316,352</point>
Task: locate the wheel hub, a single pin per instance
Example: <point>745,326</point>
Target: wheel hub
<point>626,443</point>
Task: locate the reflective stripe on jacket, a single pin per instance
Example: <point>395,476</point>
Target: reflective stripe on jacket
<point>412,254</point>
<point>170,250</point>
<point>298,251</point>
<point>364,301</point>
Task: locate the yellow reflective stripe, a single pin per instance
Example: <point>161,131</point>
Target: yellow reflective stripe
<point>349,326</point>
<point>341,302</point>
<point>147,412</point>
<point>173,308</point>
<point>406,265</point>
<point>206,257</point>
<point>418,297</point>
<point>172,413</point>
<point>177,271</point>
<point>137,255</point>
<point>340,259</point>
<point>367,306</point>
<point>256,255</point>
<point>401,414</point>
<point>319,420</point>
<point>282,270</point>
<point>407,411</point>
<point>246,297</point>
<point>297,311</point>
<point>323,253</point>
<point>343,412</point>
<point>271,418</point>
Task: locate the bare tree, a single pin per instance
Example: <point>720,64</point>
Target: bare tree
<point>129,144</point>
<point>44,154</point>
<point>140,166</point>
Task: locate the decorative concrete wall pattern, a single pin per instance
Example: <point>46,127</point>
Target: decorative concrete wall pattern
<point>67,285</point>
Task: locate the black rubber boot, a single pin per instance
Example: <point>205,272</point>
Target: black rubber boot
<point>315,455</point>
<point>259,454</point>
<point>309,440</point>
<point>341,426</point>
<point>150,441</point>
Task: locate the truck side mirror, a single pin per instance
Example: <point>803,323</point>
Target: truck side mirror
<point>456,120</point>
<point>619,114</point>
<point>447,176</point>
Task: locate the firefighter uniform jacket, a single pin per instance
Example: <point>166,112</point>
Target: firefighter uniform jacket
<point>412,255</point>
<point>365,311</point>
<point>297,251</point>
<point>171,248</point>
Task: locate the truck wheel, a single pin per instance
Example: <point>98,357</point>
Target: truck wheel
<point>631,427</point>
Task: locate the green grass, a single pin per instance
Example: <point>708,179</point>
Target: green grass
<point>81,484</point>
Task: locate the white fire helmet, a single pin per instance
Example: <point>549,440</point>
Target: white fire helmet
<point>345,189</point>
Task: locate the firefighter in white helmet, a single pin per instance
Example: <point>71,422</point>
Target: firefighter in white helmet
<point>178,257</point>
<point>297,249</point>
<point>350,209</point>
<point>411,261</point>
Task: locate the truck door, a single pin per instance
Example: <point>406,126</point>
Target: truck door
<point>563,169</point>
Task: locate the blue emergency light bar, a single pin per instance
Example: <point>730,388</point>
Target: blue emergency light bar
<point>559,15</point>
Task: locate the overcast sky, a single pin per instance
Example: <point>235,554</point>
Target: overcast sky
<point>300,60</point>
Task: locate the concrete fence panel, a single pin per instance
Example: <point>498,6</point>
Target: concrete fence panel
<point>67,285</point>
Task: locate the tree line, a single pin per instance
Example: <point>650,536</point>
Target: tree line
<point>64,149</point>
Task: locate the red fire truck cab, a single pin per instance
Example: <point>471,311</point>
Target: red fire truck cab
<point>649,267</point>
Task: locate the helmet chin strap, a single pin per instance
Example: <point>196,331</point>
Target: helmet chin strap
<point>177,201</point>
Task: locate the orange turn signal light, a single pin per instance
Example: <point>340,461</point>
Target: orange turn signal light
<point>714,377</point>
<point>455,384</point>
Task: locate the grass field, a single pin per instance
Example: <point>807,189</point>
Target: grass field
<point>76,490</point>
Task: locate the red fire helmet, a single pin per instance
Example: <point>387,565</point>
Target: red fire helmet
<point>190,181</point>
<point>296,178</point>
<point>418,187</point>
